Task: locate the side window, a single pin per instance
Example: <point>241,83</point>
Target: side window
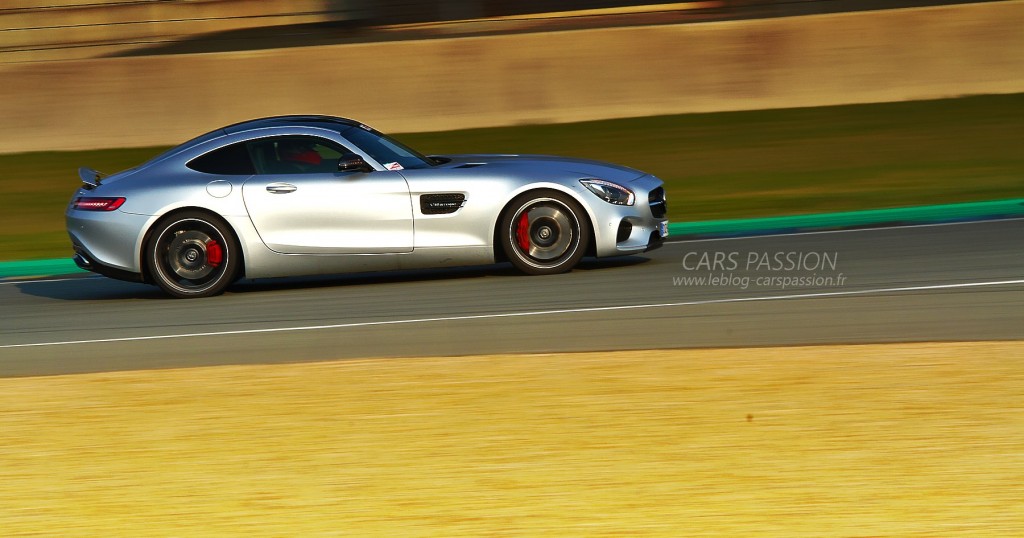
<point>296,155</point>
<point>230,160</point>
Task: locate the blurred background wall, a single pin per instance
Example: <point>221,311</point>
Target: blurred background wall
<point>77,74</point>
<point>32,30</point>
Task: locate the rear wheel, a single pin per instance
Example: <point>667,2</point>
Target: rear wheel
<point>193,254</point>
<point>544,233</point>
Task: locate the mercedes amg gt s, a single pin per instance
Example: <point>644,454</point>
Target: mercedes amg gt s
<point>301,195</point>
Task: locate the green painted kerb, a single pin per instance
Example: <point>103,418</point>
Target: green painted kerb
<point>852,219</point>
<point>31,268</point>
<point>713,228</point>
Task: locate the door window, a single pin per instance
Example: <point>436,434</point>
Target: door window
<point>296,155</point>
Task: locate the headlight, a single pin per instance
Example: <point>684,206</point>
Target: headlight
<point>609,192</point>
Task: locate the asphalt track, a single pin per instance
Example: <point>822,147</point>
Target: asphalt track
<point>950,282</point>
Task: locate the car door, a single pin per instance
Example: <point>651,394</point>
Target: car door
<point>301,204</point>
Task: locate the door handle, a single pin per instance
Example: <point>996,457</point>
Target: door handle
<point>281,188</point>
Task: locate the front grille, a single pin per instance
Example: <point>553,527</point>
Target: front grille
<point>656,199</point>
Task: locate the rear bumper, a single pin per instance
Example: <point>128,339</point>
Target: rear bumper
<point>84,261</point>
<point>109,239</point>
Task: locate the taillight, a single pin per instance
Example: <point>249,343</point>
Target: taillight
<point>89,203</point>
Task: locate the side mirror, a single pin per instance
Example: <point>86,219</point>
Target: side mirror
<point>353,163</point>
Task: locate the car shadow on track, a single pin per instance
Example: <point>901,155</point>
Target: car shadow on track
<point>414,275</point>
<point>88,288</point>
<point>95,288</point>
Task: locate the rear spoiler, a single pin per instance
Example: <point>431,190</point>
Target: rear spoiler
<point>90,178</point>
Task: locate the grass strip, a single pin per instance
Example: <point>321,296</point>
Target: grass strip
<point>718,166</point>
<point>849,219</point>
<point>869,440</point>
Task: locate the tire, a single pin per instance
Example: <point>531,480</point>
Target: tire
<point>544,232</point>
<point>193,254</point>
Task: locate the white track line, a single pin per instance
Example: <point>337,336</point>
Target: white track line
<point>528,313</point>
<point>41,280</point>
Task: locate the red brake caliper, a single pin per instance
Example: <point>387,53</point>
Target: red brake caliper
<point>523,232</point>
<point>214,253</point>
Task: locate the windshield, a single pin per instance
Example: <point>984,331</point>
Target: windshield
<point>386,150</point>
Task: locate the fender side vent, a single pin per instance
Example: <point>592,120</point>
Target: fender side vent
<point>441,203</point>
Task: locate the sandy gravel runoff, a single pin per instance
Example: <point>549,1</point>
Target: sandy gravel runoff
<point>868,440</point>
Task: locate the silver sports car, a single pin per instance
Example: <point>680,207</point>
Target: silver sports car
<point>300,195</point>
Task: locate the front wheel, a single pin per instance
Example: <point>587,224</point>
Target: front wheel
<point>193,254</point>
<point>544,233</point>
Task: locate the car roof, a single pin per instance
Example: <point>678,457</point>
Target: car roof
<point>333,123</point>
<point>329,122</point>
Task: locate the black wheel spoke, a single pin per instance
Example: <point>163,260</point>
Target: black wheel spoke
<point>550,232</point>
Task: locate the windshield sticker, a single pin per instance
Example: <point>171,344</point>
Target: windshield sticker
<point>366,127</point>
<point>394,166</point>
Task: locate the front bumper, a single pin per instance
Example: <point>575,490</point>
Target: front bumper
<point>624,230</point>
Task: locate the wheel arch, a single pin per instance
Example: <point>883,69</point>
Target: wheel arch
<point>499,253</point>
<point>144,267</point>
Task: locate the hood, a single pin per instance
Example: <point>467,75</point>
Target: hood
<point>584,168</point>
